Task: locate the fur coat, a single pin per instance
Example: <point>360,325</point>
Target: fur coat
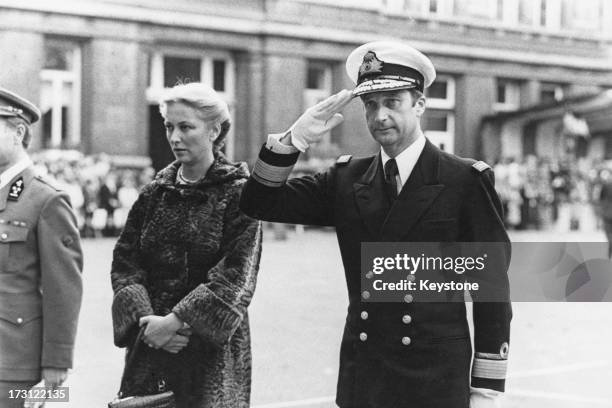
<point>188,249</point>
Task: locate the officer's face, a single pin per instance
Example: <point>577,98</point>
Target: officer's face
<point>190,137</point>
<point>9,143</point>
<point>393,118</point>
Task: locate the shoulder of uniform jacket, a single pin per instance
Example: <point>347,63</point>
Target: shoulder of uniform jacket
<point>344,159</point>
<point>48,181</point>
<point>480,166</point>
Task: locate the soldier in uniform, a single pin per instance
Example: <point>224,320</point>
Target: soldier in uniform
<point>408,354</point>
<point>40,264</point>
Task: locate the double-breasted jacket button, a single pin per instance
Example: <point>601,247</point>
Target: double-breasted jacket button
<point>365,294</point>
<point>411,278</point>
<point>406,340</point>
<point>407,319</point>
<point>408,298</point>
<point>364,315</point>
<point>369,275</point>
<point>4,236</point>
<point>363,336</point>
<point>19,320</point>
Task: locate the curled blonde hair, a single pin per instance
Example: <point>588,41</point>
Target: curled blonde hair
<point>208,104</point>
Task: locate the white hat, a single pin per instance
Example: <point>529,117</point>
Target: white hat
<point>388,65</point>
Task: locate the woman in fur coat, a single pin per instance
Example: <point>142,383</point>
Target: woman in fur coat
<point>186,263</point>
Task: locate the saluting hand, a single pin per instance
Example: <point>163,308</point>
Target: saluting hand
<point>160,330</point>
<point>319,119</point>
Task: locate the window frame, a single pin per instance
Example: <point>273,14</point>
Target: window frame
<point>447,103</point>
<point>444,7</point>
<point>155,87</point>
<point>558,89</point>
<point>311,96</point>
<point>447,137</point>
<point>57,79</point>
<point>514,86</point>
<point>585,23</point>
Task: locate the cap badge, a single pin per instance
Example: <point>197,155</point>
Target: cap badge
<point>370,65</point>
<point>16,189</point>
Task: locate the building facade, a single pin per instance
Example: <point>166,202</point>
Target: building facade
<point>97,67</point>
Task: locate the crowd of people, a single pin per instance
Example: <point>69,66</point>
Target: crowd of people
<point>101,194</point>
<point>539,193</point>
<point>536,193</point>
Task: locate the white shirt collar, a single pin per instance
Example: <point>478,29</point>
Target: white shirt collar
<point>407,159</point>
<point>9,174</point>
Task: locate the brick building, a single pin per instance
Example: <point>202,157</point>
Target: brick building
<point>97,67</point>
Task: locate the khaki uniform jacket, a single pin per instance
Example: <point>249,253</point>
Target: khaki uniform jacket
<point>40,278</point>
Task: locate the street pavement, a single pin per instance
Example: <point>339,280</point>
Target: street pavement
<point>559,355</point>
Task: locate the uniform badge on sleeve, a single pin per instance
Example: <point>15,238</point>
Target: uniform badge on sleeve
<point>16,189</point>
<point>481,166</point>
<point>344,159</point>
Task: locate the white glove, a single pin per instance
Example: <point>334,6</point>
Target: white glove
<point>318,120</point>
<point>484,398</point>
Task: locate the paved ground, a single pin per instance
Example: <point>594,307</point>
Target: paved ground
<point>560,353</point>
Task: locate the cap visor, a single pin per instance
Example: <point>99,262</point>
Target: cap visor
<point>379,85</point>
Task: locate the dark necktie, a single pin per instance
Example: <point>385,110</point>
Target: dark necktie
<point>391,173</point>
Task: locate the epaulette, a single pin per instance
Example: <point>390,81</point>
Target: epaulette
<point>345,158</point>
<point>48,181</point>
<point>481,166</point>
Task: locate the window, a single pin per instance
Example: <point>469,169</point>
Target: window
<point>169,69</point>
<point>214,68</point>
<point>431,7</point>
<point>437,121</point>
<point>318,76</point>
<point>508,95</point>
<point>60,100</point>
<point>550,14</point>
<point>551,92</point>
<point>607,16</point>
<point>584,14</point>
<point>479,8</point>
<point>441,94</point>
<point>439,118</point>
<point>439,128</point>
<point>318,86</point>
<point>181,70</point>
<point>508,11</point>
<point>219,73</point>
<point>529,12</point>
<point>540,13</point>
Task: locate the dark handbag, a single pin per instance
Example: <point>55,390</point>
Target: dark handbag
<point>165,399</point>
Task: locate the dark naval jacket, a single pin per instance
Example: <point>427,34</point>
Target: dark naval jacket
<point>408,354</point>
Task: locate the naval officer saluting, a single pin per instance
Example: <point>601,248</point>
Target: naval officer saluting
<point>395,355</point>
<point>40,264</point>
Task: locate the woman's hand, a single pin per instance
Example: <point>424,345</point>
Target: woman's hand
<point>160,330</point>
<point>176,344</point>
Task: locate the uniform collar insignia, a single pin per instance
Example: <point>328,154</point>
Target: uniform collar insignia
<point>371,64</point>
<point>16,189</point>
